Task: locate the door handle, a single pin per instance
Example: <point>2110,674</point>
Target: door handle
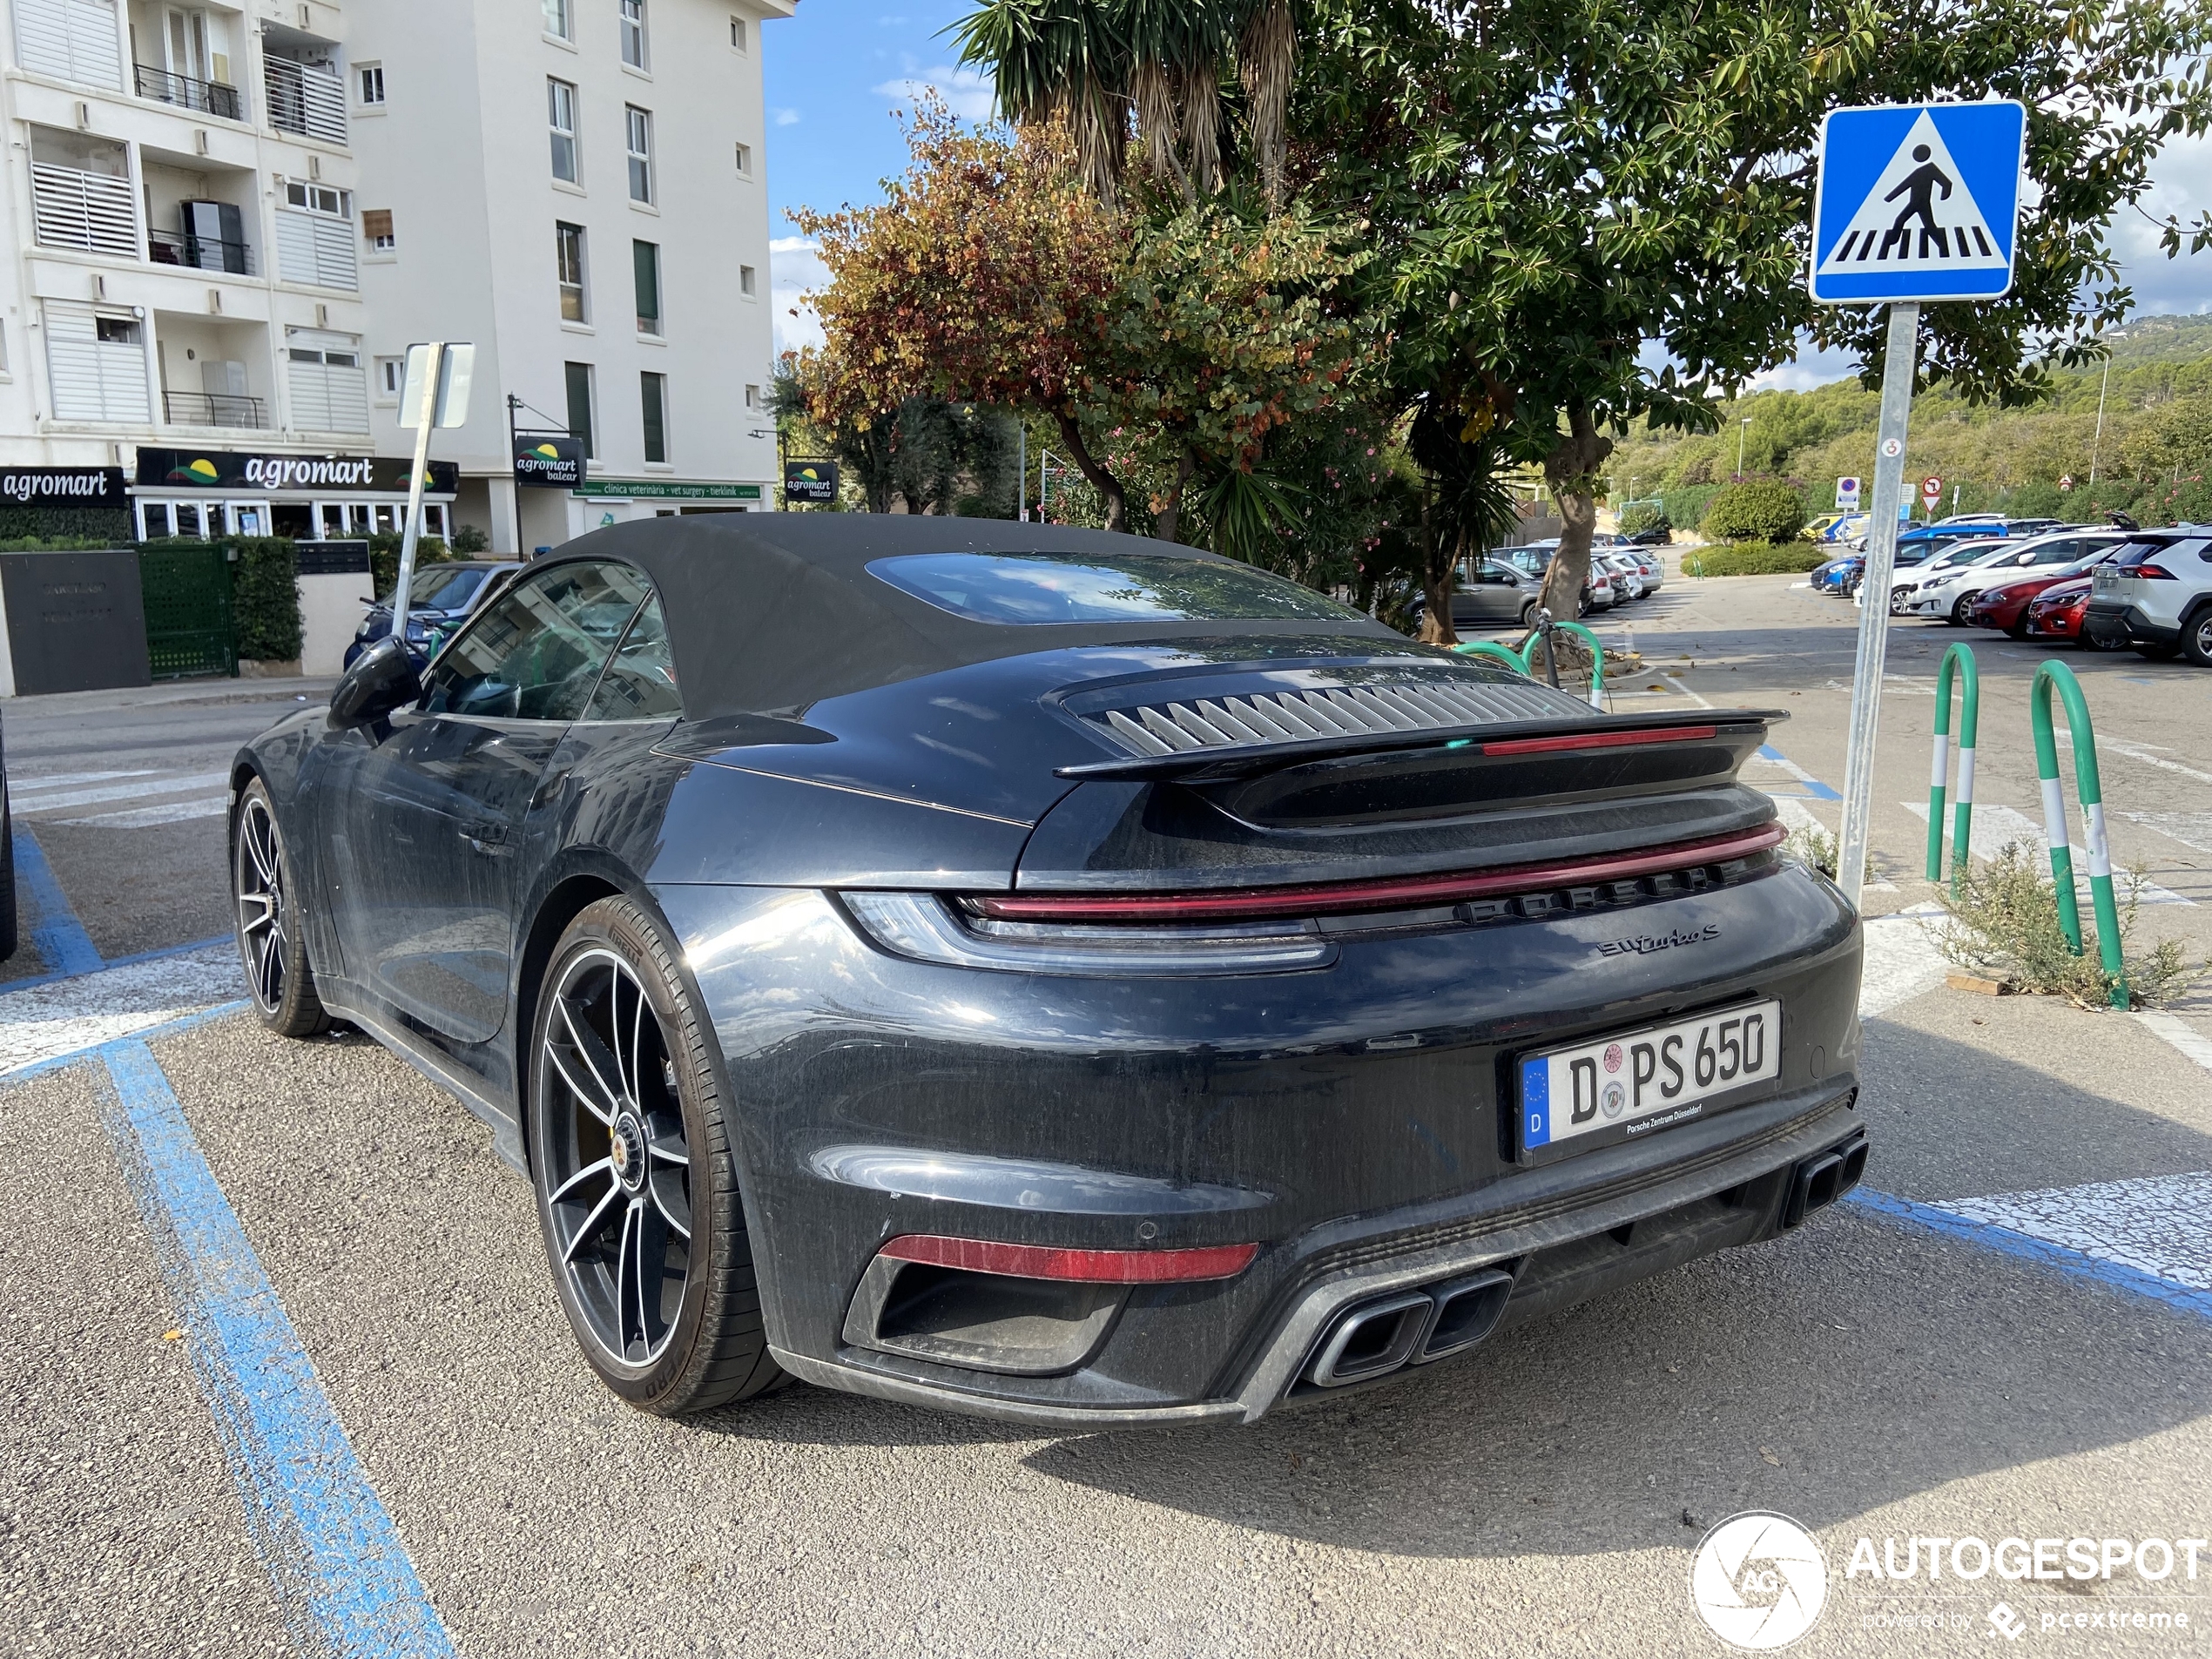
<point>491,840</point>
<point>549,787</point>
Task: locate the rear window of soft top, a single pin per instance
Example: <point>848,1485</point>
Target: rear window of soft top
<point>1030,588</point>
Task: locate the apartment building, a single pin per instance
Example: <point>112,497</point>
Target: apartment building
<point>231,220</point>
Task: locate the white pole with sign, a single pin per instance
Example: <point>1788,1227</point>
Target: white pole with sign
<point>1913,204</point>
<point>434,394</point>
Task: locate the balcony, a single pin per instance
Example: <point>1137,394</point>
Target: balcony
<point>214,408</point>
<point>305,100</point>
<point>200,252</point>
<point>208,98</point>
<point>91,213</point>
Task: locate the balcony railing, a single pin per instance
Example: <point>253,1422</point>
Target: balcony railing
<point>201,252</point>
<point>304,100</point>
<point>209,98</point>
<point>93,212</point>
<point>214,408</point>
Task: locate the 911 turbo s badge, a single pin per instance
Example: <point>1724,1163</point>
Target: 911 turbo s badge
<point>1645,944</point>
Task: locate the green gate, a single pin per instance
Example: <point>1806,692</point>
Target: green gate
<point>189,630</point>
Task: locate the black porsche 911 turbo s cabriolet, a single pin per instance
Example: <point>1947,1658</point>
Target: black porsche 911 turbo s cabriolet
<point>1050,974</point>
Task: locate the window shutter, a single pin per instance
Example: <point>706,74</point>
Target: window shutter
<point>334,266</point>
<point>376,222</point>
<point>87,211</point>
<point>42,37</point>
<point>295,246</point>
<point>93,379</point>
<point>70,40</point>
<point>346,394</point>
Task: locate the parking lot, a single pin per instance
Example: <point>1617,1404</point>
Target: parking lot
<point>2006,1334</point>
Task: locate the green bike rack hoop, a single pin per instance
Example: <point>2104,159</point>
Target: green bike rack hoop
<point>2057,674</point>
<point>1961,658</point>
<point>1597,657</point>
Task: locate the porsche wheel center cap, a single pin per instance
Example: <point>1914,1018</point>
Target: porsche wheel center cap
<point>628,1151</point>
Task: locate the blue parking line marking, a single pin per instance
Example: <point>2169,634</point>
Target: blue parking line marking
<point>122,962</point>
<point>343,1579</point>
<point>2112,1275</point>
<point>152,1033</point>
<point>62,944</point>
<point>1815,790</point>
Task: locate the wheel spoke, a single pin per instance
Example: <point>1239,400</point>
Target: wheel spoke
<point>269,970</point>
<point>593,1223</point>
<point>592,1052</point>
<point>665,1150</point>
<point>628,1279</point>
<point>651,1251</point>
<point>668,1198</point>
<point>605,1166</point>
<point>637,1079</point>
<point>267,916</point>
<point>257,844</point>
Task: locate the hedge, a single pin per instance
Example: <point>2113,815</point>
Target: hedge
<point>384,559</point>
<point>1643,516</point>
<point>66,528</point>
<point>264,598</point>
<point>1755,558</point>
<point>1767,511</point>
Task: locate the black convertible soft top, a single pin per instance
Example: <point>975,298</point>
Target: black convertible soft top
<point>769,612</point>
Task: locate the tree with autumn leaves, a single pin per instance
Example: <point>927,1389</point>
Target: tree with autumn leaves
<point>1183,349</point>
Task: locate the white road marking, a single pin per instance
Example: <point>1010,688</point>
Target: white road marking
<point>1686,691</point>
<point>175,812</point>
<point>1902,960</point>
<point>44,1021</point>
<point>167,785</point>
<point>2179,1031</point>
<point>2190,829</point>
<point>2138,751</point>
<point>1996,825</point>
<point>19,786</point>
<point>2160,1225</point>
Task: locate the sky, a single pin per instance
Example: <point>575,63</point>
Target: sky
<point>837,70</point>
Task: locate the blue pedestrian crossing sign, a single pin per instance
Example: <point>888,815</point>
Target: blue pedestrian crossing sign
<point>1917,201</point>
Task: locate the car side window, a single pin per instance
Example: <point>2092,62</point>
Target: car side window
<point>535,653</point>
<point>640,683</point>
<point>2057,553</point>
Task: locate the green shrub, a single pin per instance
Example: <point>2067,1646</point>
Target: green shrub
<point>66,528</point>
<point>470,540</point>
<point>1768,511</point>
<point>1755,558</point>
<point>58,543</point>
<point>2004,920</point>
<point>264,598</point>
<point>1644,515</point>
<point>1687,504</point>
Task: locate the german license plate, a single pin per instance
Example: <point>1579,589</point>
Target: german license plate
<point>1623,1088</point>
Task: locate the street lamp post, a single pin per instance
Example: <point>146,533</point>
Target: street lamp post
<point>1743,428</point>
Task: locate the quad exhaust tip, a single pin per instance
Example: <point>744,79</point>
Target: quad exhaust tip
<point>1818,1182</point>
<point>1373,1339</point>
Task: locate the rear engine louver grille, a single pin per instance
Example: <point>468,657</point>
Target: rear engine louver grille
<point>1299,717</point>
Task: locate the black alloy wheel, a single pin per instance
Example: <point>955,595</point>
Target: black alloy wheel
<point>636,1177</point>
<point>270,940</point>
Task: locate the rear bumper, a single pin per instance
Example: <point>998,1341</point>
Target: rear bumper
<point>2117,624</point>
<point>1352,1123</point>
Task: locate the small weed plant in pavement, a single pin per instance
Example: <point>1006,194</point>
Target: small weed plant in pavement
<point>2003,921</point>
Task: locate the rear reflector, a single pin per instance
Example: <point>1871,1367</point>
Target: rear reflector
<point>1401,892</point>
<point>1086,1266</point>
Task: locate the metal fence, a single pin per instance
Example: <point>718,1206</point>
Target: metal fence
<point>189,630</point>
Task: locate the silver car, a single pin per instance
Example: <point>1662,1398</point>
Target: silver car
<point>2155,594</point>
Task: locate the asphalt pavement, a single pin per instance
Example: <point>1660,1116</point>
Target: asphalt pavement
<point>229,1248</point>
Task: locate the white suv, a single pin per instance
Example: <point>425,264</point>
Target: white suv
<point>2155,594</point>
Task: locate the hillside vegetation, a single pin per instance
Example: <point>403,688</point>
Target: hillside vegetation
<point>2152,461</point>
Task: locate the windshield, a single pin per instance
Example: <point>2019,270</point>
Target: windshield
<point>436,589</point>
<point>1028,588</point>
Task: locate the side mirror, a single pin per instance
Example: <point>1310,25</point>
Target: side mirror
<point>383,677</point>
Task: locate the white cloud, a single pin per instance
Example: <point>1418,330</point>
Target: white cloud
<point>1807,369</point>
<point>2164,287</point>
<point>965,91</point>
<point>795,267</point>
<point>786,118</point>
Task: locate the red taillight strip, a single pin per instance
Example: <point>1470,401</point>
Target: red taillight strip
<point>1599,740</point>
<point>1082,1266</point>
<point>1394,894</point>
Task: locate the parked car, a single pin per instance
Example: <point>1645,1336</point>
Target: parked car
<point>2155,594</point>
<point>1653,566</point>
<point>1844,576</point>
<point>1495,594</point>
<point>1054,976</point>
<point>1657,535</point>
<point>2017,579</point>
<point>444,596</point>
<point>2056,614</point>
<point>1626,573</point>
<point>1949,588</point>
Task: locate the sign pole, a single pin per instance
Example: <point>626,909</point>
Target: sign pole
<point>1900,362</point>
<point>433,360</point>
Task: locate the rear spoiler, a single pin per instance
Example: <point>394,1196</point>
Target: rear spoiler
<point>1499,739</point>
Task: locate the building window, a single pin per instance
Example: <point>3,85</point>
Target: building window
<point>315,198</point>
<point>633,33</point>
<point>323,374</point>
<point>752,397</point>
<point>391,374</point>
<point>738,40</point>
<point>746,283</point>
<point>578,376</point>
<point>559,23</point>
<point>560,116</point>
<point>376,230</point>
<point>653,389</point>
<point>372,85</point>
<point>640,123</point>
<point>744,160</point>
<point>567,254</point>
<point>315,235</point>
<point>646,258</point>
